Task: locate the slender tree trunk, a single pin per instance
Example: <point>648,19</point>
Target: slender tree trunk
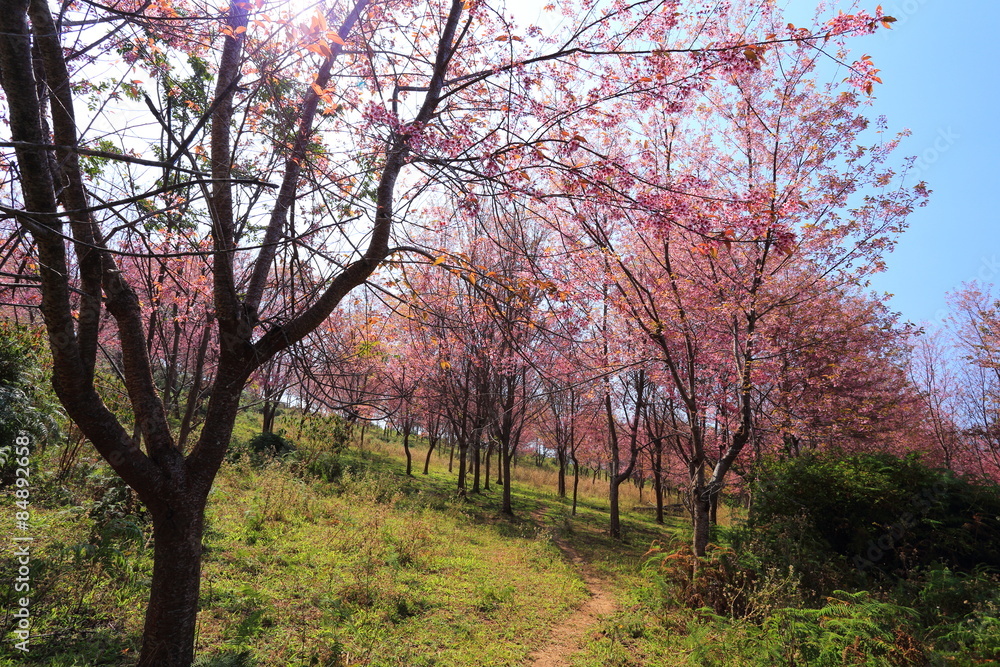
<point>561,454</point>
<point>576,482</point>
<point>171,402</point>
<point>506,507</point>
<point>431,443</point>
<point>616,476</point>
<point>406,448</point>
<point>658,489</point>
<point>486,474</point>
<point>269,410</point>
<point>613,499</point>
<point>463,448</point>
<point>476,459</point>
<point>195,396</point>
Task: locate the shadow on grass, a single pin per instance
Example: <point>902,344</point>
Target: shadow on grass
<point>538,513</point>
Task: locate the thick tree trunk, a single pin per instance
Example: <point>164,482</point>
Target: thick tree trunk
<point>700,505</point>
<point>173,488</point>
<point>169,632</point>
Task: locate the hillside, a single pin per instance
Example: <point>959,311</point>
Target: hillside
<point>346,561</point>
<point>374,568</point>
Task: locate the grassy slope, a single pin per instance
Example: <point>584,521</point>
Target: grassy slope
<point>378,569</point>
<point>382,569</point>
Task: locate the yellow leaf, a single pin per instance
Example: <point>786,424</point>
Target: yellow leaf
<point>445,365</point>
<point>439,260</point>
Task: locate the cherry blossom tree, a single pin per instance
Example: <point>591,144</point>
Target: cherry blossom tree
<point>974,329</point>
<point>935,374</point>
<point>283,150</point>
<point>696,217</point>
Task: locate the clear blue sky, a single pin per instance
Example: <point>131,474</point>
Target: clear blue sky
<point>941,74</point>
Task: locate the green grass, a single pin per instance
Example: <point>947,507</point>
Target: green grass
<point>375,569</point>
<point>381,572</point>
<point>380,569</point>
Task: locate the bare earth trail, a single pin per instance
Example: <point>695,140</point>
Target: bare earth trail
<point>567,637</point>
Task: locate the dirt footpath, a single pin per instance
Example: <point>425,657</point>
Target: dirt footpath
<point>567,637</point>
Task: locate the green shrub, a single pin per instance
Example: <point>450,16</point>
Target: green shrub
<point>326,466</point>
<point>960,613</point>
<point>28,407</point>
<point>260,449</point>
<point>850,629</point>
<point>719,582</point>
<point>324,433</point>
<point>974,640</point>
<point>270,444</point>
<point>844,521</point>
